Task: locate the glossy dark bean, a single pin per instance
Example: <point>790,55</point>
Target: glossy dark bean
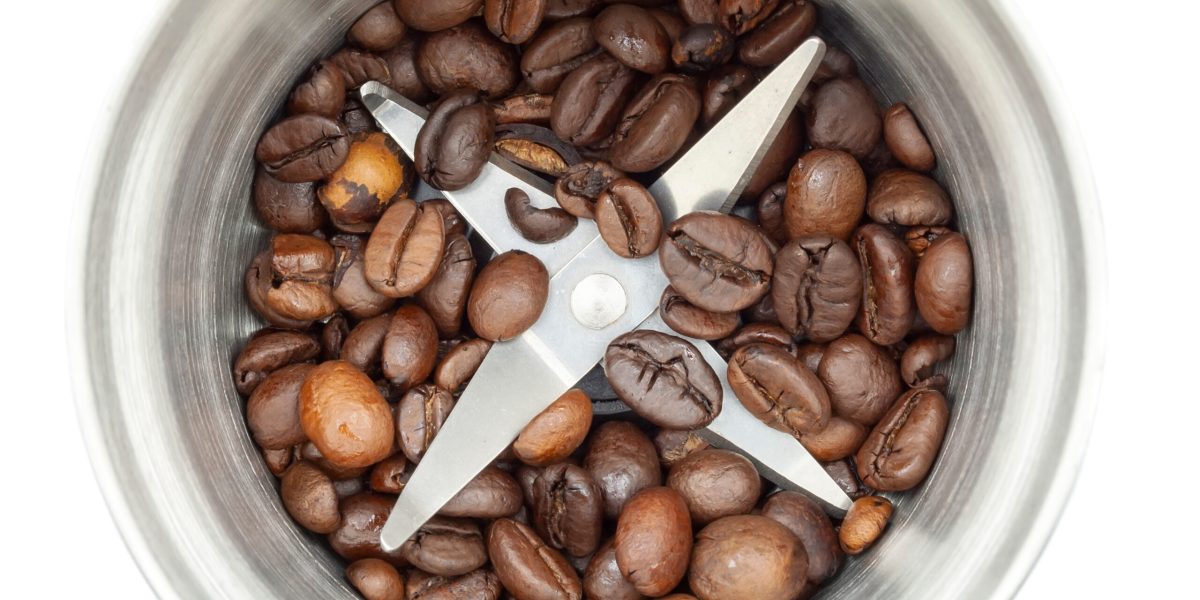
<point>303,148</point>
<point>779,35</point>
<point>920,358</point>
<point>556,432</point>
<point>579,189</point>
<point>359,67</point>
<point>702,48</point>
<point>724,88</point>
<point>747,556</point>
<point>322,93</point>
<point>268,351</point>
<point>757,333</point>
<point>568,508</point>
<point>481,583</point>
<point>654,540</point>
<point>364,346</point>
<point>409,347</point>
<point>379,29</point>
<point>836,64</point>
<point>514,21</point>
<point>902,197</point>
<point>445,297</point>
<point>273,410</point>
<point>333,335</point>
<point>839,439</point>
<point>436,15</point>
<point>738,16</point>
<point>455,142</point>
<point>664,379</point>
<point>864,523</point>
<point>373,578</point>
<point>402,66</point>
<point>529,568</point>
<point>356,118</point>
<point>454,224</point>
<point>769,213</point>
<point>715,484</point>
<point>901,449</point>
<point>309,497</point>
<point>676,444</point>
<point>287,207</point>
<point>603,579</point>
<point>805,519</point>
<point>944,282</point>
<point>405,249</point>
<point>374,174</point>
<point>490,495</point>
<point>633,36</point>
<point>817,287</point>
<point>810,355</point>
<point>905,139</point>
<point>351,288</point>
<point>508,296</point>
<point>446,546</point>
<point>421,414</point>
<point>524,108</point>
<point>591,99</point>
<point>656,124</point>
<point>357,537</point>
<point>467,56</point>
<point>538,225</point>
<point>390,475</point>
<point>718,262</point>
<point>623,462</point>
<point>780,157</point>
<point>628,219</point>
<point>691,321</point>
<point>827,193</point>
<point>844,116</point>
<point>557,51</point>
<point>460,364</point>
<point>844,473</point>
<point>863,379</point>
<point>888,307</point>
<point>344,415</point>
<point>776,388</point>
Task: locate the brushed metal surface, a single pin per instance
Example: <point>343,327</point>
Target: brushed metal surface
<point>167,230</point>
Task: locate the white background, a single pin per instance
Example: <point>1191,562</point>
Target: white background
<point>1128,71</point>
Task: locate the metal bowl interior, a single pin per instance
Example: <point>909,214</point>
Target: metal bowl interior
<point>168,231</point>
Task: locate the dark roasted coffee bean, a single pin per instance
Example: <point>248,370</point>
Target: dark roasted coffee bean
<point>837,440</point>
<point>303,148</point>
<point>919,239</point>
<point>715,484</point>
<point>757,333</point>
<point>514,21</point>
<point>603,579</point>
<point>538,225</point>
<point>901,449</point>
<point>827,193</point>
<point>390,475</point>
<point>268,351</point>
<point>718,262</point>
<point>805,519</point>
<point>535,148</point>
<point>405,249</point>
<point>578,190</point>
<point>436,15</point>
<point>676,444</point>
<point>769,212</point>
<point>356,118</point>
<point>664,379</point>
<point>905,139</point>
<point>555,52</point>
<point>810,355</point>
<point>460,364</point>
<point>490,495</point>
<point>364,346</point>
<point>845,475</point>
<point>738,16</point>
<point>273,410</point>
<point>724,89</point>
<point>817,287</point>
<point>702,48</point>
<point>623,461</point>
<point>780,34</point>
<point>287,207</point>
<point>359,67</point>
<point>590,100</point>
<point>344,415</point>
<point>844,116</point>
<point>379,29</point>
<point>278,461</point>
<point>747,556</point>
<point>446,546</point>
<point>333,335</point>
<point>309,497</point>
<point>353,292</point>
<point>776,388</point>
<point>480,584</point>
<point>901,197</point>
<point>410,347</point>
<point>692,321</point>
<point>300,278</point>
<point>565,9</point>
<point>373,578</point>
<point>556,432</point>
<point>862,379</point>
<point>633,36</point>
<point>888,309</point>
<point>374,174</point>
<point>568,509</point>
<point>508,296</point>
<point>921,356</point>
<point>467,56</point>
<point>864,523</point>
<point>453,222</point>
<point>943,285</point>
<point>421,414</point>
<point>357,537</point>
<point>524,108</point>
<point>780,157</point>
<point>455,142</point>
<point>656,124</point>
<point>322,93</point>
<point>529,568</point>
<point>445,298</point>
<point>836,64</point>
<point>628,219</point>
<point>402,66</point>
<point>654,540</point>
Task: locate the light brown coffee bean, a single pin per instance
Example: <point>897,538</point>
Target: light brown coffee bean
<point>460,364</point>
<point>921,356</point>
<point>421,414</point>
<point>747,556</point>
<point>715,483</point>
<point>905,139</point>
<point>529,568</point>
<point>864,523</point>
<point>654,540</point>
<point>944,281</point>
<point>344,415</point>
<point>490,495</point>
<point>405,249</point>
<point>508,296</point>
<point>556,432</point>
<point>309,497</point>
<point>827,193</point>
<point>629,219</point>
<point>373,578</point>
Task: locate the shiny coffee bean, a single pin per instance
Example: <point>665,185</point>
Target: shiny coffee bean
<point>446,546</point>
<point>538,225</point>
<point>322,93</point>
<point>862,379</point>
<point>692,321</point>
<point>309,497</point>
<point>655,124</point>
<point>664,379</point>
<point>379,29</point>
<point>888,308</point>
<point>901,449</point>
<point>565,9</point>
<point>623,462</point>
<point>421,414</point>
<point>529,568</point>
<point>628,219</point>
<point>827,193</point>
<point>481,583</point>
<point>902,197</point>
<point>717,262</point>
<point>333,335</point>
<point>356,118</point>
<point>357,537</point>
<point>508,296</point>
<point>702,48</point>
<point>919,239</point>
<point>724,88</point>
<point>277,461</point>
<point>633,36</point>
<point>490,495</point>
<point>676,444</point>
<point>558,50</point>
<point>777,389</point>
<point>455,142</point>
<point>580,188</point>
<point>535,148</point>
<point>556,432</point>
<point>747,556</point>
<point>844,473</point>
<point>780,157</point>
<point>409,347</point>
<point>524,108</point>
<point>402,66</point>
<point>864,523</point>
<point>779,35</point>
<point>353,292</point>
<point>373,578</point>
<point>844,116</point>
<point>374,174</point>
<point>363,348</point>
<point>568,508</point>
<point>514,21</point>
<point>817,287</point>
<point>287,207</point>
<point>273,410</point>
<point>715,484</point>
<point>921,356</point>
<point>359,67</point>
<point>301,278</point>
<point>303,148</point>
<point>453,223</point>
<point>810,355</point>
<point>603,579</point>
<point>905,139</point>
<point>469,57</point>
<point>445,297</point>
<point>390,475</point>
<point>460,364</point>
<point>837,440</point>
<point>404,250</point>
<point>591,99</point>
<point>944,282</point>
<point>738,16</point>
<point>267,352</point>
<point>805,519</point>
<point>757,333</point>
<point>436,15</point>
<point>654,540</point>
<point>836,64</point>
<point>344,415</point>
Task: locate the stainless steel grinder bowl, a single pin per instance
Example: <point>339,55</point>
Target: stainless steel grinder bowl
<point>158,310</point>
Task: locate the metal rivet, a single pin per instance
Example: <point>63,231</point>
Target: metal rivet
<point>598,300</point>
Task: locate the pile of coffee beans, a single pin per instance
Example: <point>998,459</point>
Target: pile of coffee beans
<point>834,291</point>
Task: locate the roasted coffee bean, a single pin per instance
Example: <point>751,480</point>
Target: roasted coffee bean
<point>490,495</point>
<point>780,157</point>
<point>565,9</point>
<point>287,207</point>
<point>864,523</point>
<point>633,36</point>
<point>817,287</point>
<point>702,48</point>
<point>390,475</point>
<point>514,21</point>
<point>556,432</point>
<point>579,189</point>
<point>453,222</point>
<point>364,346</point>
<point>810,355</point>
<point>762,311</point>
<point>837,440</point>
<point>905,139</point>
<point>322,93</point>
<point>379,29</point>
<point>351,288</point>
<point>836,64</point>
<point>717,262</point>
<point>410,347</point>
<point>303,148</point>
<point>481,584</point>
<point>738,16</point>
<point>422,411</point>
<point>623,461</point>
<point>845,475</point>
<point>277,461</point>
<point>538,225</point>
<point>455,142</point>
<point>590,100</point>
<point>508,296</point>
<point>715,484</point>
<point>446,546</point>
<point>344,415</point>
<point>780,34</point>
<point>436,15</point>
<point>524,108</point>
<point>467,56</point>
<point>656,124</point>
<point>901,449</point>
<point>445,297</point>
<point>557,51</point>
<point>805,519</point>
<point>844,116</point>
<point>374,174</point>
<point>309,497</point>
<point>757,333</point>
<point>603,579</point>
<point>568,508</point>
<point>357,537</point>
<point>402,66</point>
<point>460,364</point>
<point>293,282</point>
<point>528,568</point>
<point>919,239</point>
<point>888,308</point>
<point>535,148</point>
<point>359,67</point>
<point>373,578</point>
<point>309,452</point>
<point>273,410</point>
<point>664,379</point>
<point>776,388</point>
<point>268,351</point>
<point>862,379</point>
<point>747,556</point>
<point>349,487</point>
<point>921,356</point>
<point>356,118</point>
<point>405,249</point>
<point>687,319</point>
<point>943,285</point>
<point>723,90</point>
<point>628,219</point>
<point>827,193</point>
<point>902,197</point>
<point>333,335</point>
<point>654,540</point>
